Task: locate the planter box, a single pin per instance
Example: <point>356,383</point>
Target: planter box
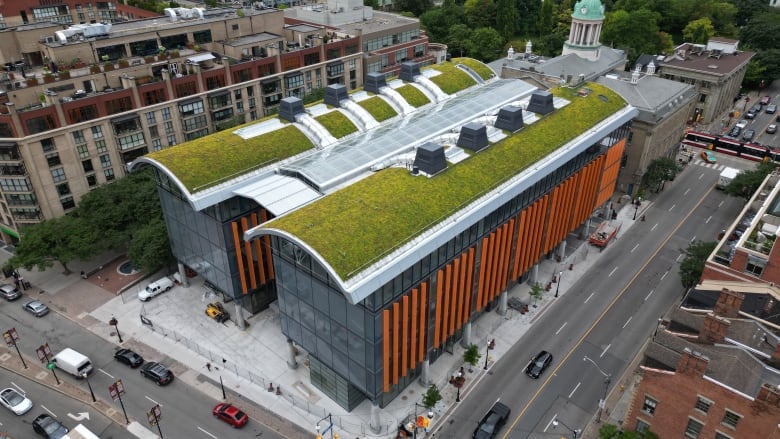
<point>32,82</point>
<point>48,79</point>
<point>107,67</point>
<point>94,69</point>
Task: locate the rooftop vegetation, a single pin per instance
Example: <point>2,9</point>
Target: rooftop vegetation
<point>209,160</point>
<point>413,95</point>
<point>482,70</point>
<point>454,80</point>
<point>378,108</point>
<point>365,221</point>
<point>336,123</point>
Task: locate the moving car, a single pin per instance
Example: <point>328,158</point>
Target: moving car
<point>735,132</point>
<point>771,109</point>
<point>538,364</point>
<point>708,156</point>
<point>128,357</point>
<point>748,135</point>
<point>764,100</point>
<point>771,129</point>
<point>742,124</point>
<point>156,372</point>
<point>36,308</point>
<point>15,401</point>
<point>492,422</point>
<point>9,292</point>
<point>230,414</point>
<point>49,427</point>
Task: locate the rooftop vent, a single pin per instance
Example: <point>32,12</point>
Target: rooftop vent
<point>290,107</point>
<point>334,94</point>
<point>473,136</point>
<point>541,102</point>
<point>374,81</point>
<point>430,158</point>
<point>409,70</point>
<point>510,118</point>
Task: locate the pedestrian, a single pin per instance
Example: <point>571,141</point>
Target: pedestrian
<point>208,366</point>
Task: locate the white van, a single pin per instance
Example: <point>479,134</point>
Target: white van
<point>75,363</point>
<point>157,287</point>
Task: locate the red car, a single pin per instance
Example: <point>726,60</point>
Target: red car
<point>231,414</point>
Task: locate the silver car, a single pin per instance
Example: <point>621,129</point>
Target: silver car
<point>15,401</point>
<point>36,308</point>
<point>9,292</point>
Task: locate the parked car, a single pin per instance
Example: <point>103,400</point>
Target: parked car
<point>771,129</point>
<point>49,427</point>
<point>15,401</point>
<point>10,292</point>
<point>742,124</point>
<point>128,357</point>
<point>538,364</point>
<point>751,114</point>
<point>155,288</point>
<point>36,308</point>
<point>764,100</point>
<point>230,414</point>
<point>748,135</point>
<point>771,109</point>
<point>156,372</point>
<point>735,132</point>
<point>492,422</point>
<point>709,157</point>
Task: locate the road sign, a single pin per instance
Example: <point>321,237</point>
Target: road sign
<point>11,336</point>
<point>154,414</point>
<point>116,390</point>
<point>50,365</point>
<point>120,387</point>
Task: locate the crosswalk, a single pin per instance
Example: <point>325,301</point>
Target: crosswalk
<point>703,164</point>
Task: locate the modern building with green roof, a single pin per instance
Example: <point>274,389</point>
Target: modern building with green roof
<point>384,222</point>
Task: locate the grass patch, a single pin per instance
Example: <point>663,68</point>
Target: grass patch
<point>365,221</point>
<point>482,70</point>
<point>413,96</point>
<point>209,160</point>
<point>378,108</point>
<point>337,124</point>
<point>452,79</point>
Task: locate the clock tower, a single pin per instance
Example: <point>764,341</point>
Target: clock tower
<point>586,22</point>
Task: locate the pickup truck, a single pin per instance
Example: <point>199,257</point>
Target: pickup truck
<point>492,422</point>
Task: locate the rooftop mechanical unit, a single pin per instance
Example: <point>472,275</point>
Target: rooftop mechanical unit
<point>541,102</point>
<point>510,118</point>
<point>473,136</point>
<point>289,107</point>
<point>334,94</point>
<point>409,70</point>
<point>430,159</point>
<point>373,82</point>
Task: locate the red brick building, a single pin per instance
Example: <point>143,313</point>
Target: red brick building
<point>709,375</point>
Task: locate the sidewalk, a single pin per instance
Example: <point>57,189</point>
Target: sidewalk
<point>189,343</point>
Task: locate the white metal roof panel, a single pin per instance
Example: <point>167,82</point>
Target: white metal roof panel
<point>278,193</point>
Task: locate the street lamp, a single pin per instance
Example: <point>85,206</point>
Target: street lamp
<point>91,393</point>
<point>607,381</point>
<point>576,432</point>
<point>637,203</point>
<point>490,346</point>
<point>558,287</point>
<point>417,404</point>
<point>458,382</point>
<point>330,427</point>
<point>114,322</point>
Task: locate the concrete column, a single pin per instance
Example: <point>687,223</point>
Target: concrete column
<point>291,351</point>
<point>373,424</point>
<point>15,118</point>
<point>128,82</point>
<point>534,278</point>
<point>228,76</point>
<point>53,99</point>
<point>562,250</point>
<point>502,301</point>
<point>425,374</point>
<point>185,282</point>
<point>166,75</point>
<point>239,315</point>
<point>466,340</point>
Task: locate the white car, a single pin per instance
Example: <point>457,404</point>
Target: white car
<point>742,124</point>
<point>15,401</point>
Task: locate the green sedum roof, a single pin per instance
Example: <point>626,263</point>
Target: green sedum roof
<point>359,224</point>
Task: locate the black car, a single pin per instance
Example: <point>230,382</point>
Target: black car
<point>129,357</point>
<point>748,135</point>
<point>49,427</point>
<point>538,364</point>
<point>735,132</point>
<point>492,422</point>
<point>157,373</point>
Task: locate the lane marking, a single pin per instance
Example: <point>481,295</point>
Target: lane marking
<point>701,176</point>
<point>627,322</point>
<point>707,221</point>
<point>635,247</point>
<point>575,389</point>
<point>50,412</point>
<point>561,328</point>
<point>601,316</point>
<point>150,399</point>
<point>206,432</point>
<point>605,350</point>
<point>591,295</point>
<point>550,423</point>
<point>108,374</point>
<point>18,388</point>
<point>649,294</point>
<point>670,209</point>
<point>680,256</point>
<point>693,239</point>
<point>686,191</point>
<point>654,226</point>
<point>667,272</point>
<point>720,204</point>
<point>612,272</point>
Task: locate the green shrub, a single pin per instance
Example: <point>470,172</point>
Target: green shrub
<point>482,70</point>
<point>452,79</point>
<point>337,124</point>
<point>378,108</point>
<point>413,95</point>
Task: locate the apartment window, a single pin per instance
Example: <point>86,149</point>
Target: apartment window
<point>101,146</point>
<point>156,145</point>
<point>153,132</point>
<point>131,141</point>
<point>92,180</point>
<point>642,426</point>
<point>755,266</point>
<point>194,123</point>
<point>702,98</point>
<point>186,89</point>
<point>63,189</point>
<point>82,114</point>
<point>166,113</point>
<point>693,429</point>
<point>201,37</point>
<point>719,435</point>
<point>293,81</point>
<point>703,405</point>
<point>169,127</point>
<point>67,203</point>
<point>53,160</point>
<point>87,165</point>
<point>105,160</point>
<point>119,105</point>
<point>730,419</point>
<point>401,55</point>
<point>48,145</point>
<point>78,137</point>
<point>171,140</point>
<point>215,82</point>
<point>649,405</point>
<point>191,108</point>
<point>196,134</point>
<point>83,151</point>
<point>15,185</point>
<point>58,175</point>
<point>109,173</point>
<point>235,27</point>
<point>150,118</point>
<point>97,132</point>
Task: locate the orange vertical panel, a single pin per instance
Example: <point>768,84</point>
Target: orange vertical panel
<point>445,312</point>
<point>239,258</point>
<point>552,214</point>
<point>560,216</point>
<point>424,309</point>
<point>248,251</point>
<point>542,224</point>
<point>534,237</point>
<point>488,251</point>
<point>267,247</point>
<point>404,334</point>
<point>258,253</point>
<point>522,240</point>
<point>518,266</point>
<point>456,298</point>
<point>437,321</point>
<point>490,273</point>
<point>528,236</point>
<point>470,279</point>
<point>494,274</point>
<point>464,290</point>
<point>481,278</point>
<point>386,350</point>
<point>566,207</point>
<point>508,232</point>
<point>413,334</point>
<point>396,337</point>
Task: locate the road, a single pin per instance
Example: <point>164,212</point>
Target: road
<point>762,119</point>
<point>186,412</point>
<point>605,316</point>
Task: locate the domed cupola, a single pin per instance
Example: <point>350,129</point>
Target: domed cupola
<point>586,22</point>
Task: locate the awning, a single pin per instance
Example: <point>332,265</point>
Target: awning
<point>125,118</point>
<point>8,231</point>
<point>278,193</point>
<point>200,58</point>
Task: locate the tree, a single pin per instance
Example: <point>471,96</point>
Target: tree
<point>471,356</point>
<point>611,431</point>
<point>637,32</point>
<point>658,171</point>
<point>62,239</point>
<point>692,266</point>
<point>150,248</point>
<point>506,18</point>
<point>485,44</point>
<point>761,31</point>
<point>480,13</point>
<point>458,38</point>
<point>746,183</point>
<point>699,31</point>
<point>416,7</point>
<point>431,397</point>
<point>536,292</point>
<point>545,23</point>
<point>769,62</point>
<point>755,73</point>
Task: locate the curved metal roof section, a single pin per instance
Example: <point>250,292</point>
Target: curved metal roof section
<point>143,161</point>
<point>367,281</point>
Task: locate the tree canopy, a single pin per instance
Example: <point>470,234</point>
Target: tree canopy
<point>692,266</point>
<point>746,183</point>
